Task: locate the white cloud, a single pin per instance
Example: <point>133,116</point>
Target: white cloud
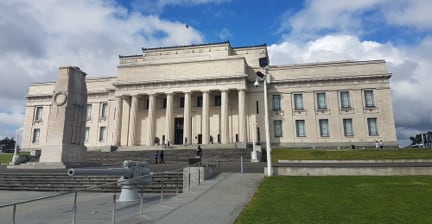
<point>355,17</point>
<point>38,37</point>
<point>411,81</point>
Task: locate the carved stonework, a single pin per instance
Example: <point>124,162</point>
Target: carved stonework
<point>67,120</point>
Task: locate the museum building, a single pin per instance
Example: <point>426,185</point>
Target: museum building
<point>211,94</point>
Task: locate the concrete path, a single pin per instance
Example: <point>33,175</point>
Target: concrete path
<point>219,200</point>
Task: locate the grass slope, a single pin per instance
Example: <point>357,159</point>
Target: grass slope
<point>341,200</point>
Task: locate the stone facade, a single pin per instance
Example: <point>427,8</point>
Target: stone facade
<point>201,94</point>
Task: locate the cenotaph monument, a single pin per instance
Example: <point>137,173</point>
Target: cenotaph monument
<point>66,126</point>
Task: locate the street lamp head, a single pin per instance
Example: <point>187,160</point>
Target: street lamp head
<point>260,74</point>
<point>256,83</point>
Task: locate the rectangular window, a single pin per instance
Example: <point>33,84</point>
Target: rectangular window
<point>102,134</point>
<point>181,103</point>
<point>164,102</point>
<point>347,125</point>
<point>300,128</point>
<point>277,128</point>
<point>36,135</point>
<point>324,128</point>
<point>369,98</point>
<point>104,110</point>
<point>87,134</point>
<point>372,126</point>
<point>147,103</point>
<point>276,102</point>
<point>217,101</point>
<point>89,111</point>
<point>345,100</point>
<point>298,101</point>
<point>257,107</point>
<point>199,101</point>
<point>38,115</point>
<point>321,101</point>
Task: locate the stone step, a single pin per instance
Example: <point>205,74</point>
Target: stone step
<point>171,182</point>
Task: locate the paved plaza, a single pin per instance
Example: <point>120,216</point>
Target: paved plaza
<point>218,200</point>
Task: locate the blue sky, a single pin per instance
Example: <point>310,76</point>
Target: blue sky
<point>39,36</point>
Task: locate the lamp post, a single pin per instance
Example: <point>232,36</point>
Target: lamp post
<point>254,156</point>
<point>263,77</point>
<point>15,156</point>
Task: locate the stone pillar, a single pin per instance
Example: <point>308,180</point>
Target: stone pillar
<point>224,117</point>
<point>205,118</point>
<point>124,135</point>
<point>187,130</point>
<point>150,124</point>
<point>118,121</point>
<point>67,119</point>
<point>132,120</point>
<point>169,119</point>
<point>242,115</point>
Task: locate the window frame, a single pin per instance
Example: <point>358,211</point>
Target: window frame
<point>36,136</point>
<point>277,128</point>
<point>276,102</point>
<point>348,99</point>
<point>104,110</point>
<point>297,126</point>
<point>372,132</point>
<point>322,123</point>
<point>296,106</point>
<point>321,99</point>
<point>369,99</point>
<point>345,129</point>
<point>38,113</point>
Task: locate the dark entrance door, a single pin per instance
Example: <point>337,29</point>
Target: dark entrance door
<point>178,131</point>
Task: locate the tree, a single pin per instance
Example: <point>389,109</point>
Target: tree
<point>7,143</point>
<point>418,138</point>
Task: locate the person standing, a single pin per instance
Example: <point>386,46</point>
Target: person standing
<point>199,152</point>
<point>377,145</point>
<point>381,144</point>
<point>156,156</point>
<point>161,157</point>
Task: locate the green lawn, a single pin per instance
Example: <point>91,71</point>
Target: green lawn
<point>5,158</point>
<point>336,200</point>
<point>299,154</point>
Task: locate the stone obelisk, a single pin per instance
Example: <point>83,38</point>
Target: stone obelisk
<point>66,126</point>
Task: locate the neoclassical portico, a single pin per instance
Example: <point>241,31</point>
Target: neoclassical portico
<point>204,94</point>
<point>205,117</point>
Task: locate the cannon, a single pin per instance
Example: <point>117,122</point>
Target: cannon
<point>132,175</point>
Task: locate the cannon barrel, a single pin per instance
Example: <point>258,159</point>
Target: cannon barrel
<point>108,172</point>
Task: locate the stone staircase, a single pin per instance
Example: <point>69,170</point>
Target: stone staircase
<point>211,154</point>
<point>170,182</point>
<point>168,175</point>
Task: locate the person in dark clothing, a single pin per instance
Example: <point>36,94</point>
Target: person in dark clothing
<point>199,152</point>
<point>156,157</point>
<point>161,157</point>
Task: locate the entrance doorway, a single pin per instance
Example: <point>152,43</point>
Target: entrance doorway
<point>178,130</point>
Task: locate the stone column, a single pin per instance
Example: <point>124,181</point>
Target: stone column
<point>132,120</point>
<point>124,135</point>
<point>150,124</point>
<point>205,118</point>
<point>224,117</point>
<point>118,121</point>
<point>169,119</point>
<point>242,115</point>
<point>187,130</point>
